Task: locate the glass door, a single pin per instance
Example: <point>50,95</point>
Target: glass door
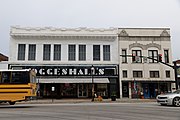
<point>82,90</point>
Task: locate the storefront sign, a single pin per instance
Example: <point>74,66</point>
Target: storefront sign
<point>73,70</point>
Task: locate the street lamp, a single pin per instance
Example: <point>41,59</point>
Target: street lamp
<point>92,73</point>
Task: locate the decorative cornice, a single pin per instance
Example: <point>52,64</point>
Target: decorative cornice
<point>123,33</point>
<point>164,34</point>
<point>69,37</point>
<point>64,29</point>
<point>145,47</point>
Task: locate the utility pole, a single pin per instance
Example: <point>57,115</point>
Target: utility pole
<point>175,73</point>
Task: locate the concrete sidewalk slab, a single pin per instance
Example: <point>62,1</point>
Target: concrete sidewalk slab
<point>51,101</point>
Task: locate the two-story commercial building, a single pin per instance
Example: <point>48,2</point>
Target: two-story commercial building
<point>76,62</point>
<point>69,62</point>
<point>144,77</point>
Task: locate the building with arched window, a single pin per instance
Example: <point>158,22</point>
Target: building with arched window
<point>78,62</point>
<point>141,76</point>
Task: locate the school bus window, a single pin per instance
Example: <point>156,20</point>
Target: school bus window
<point>20,77</point>
<point>6,77</point>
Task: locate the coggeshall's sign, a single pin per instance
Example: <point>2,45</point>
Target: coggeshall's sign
<point>73,70</point>
<point>66,71</point>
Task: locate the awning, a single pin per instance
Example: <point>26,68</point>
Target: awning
<point>73,80</point>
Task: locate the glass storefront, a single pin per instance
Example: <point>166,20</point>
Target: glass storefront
<point>148,90</point>
<point>72,90</point>
<point>102,90</point>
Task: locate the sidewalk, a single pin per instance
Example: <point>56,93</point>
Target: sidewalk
<point>52,101</point>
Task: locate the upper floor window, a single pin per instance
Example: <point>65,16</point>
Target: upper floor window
<point>72,52</point>
<point>32,52</point>
<point>124,58</point>
<point>124,72</point>
<point>57,52</point>
<point>167,74</point>
<point>46,52</point>
<point>137,74</point>
<point>137,53</point>
<point>106,52</point>
<point>21,51</point>
<point>82,52</point>
<point>166,56</point>
<point>154,74</point>
<point>96,52</point>
<point>154,55</point>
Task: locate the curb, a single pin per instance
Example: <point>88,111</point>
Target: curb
<point>66,101</point>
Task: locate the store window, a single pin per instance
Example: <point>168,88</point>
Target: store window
<point>102,90</point>
<point>96,52</point>
<point>46,52</point>
<point>72,52</point>
<point>32,52</point>
<point>21,51</point>
<point>106,52</point>
<point>82,52</point>
<point>69,90</point>
<point>57,52</point>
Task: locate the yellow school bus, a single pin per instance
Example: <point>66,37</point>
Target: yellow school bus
<point>17,85</point>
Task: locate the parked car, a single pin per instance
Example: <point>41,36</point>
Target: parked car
<point>169,98</point>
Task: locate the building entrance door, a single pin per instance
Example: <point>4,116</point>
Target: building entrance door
<point>82,90</point>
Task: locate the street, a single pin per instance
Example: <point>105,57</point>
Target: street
<point>89,111</point>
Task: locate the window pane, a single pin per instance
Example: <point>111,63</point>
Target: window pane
<point>47,52</point>
<point>124,58</point>
<point>154,55</point>
<point>137,53</point>
<point>6,77</point>
<point>137,74</point>
<point>72,52</point>
<point>124,73</point>
<point>57,52</point>
<point>106,52</point>
<point>166,56</point>
<point>32,52</point>
<point>168,74</point>
<point>82,52</point>
<point>20,77</point>
<point>21,51</point>
<point>154,74</point>
<point>96,52</point>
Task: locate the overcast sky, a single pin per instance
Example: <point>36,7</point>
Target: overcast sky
<point>90,13</point>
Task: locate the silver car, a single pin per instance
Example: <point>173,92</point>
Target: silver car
<point>169,98</point>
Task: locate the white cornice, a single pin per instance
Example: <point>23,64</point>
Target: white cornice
<point>52,31</point>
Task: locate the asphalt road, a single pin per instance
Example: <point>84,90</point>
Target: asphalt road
<point>89,111</point>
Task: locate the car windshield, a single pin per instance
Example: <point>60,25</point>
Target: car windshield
<point>177,91</point>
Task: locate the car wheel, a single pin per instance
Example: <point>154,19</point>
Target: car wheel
<point>176,101</point>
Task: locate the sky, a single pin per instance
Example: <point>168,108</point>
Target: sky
<point>90,14</point>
